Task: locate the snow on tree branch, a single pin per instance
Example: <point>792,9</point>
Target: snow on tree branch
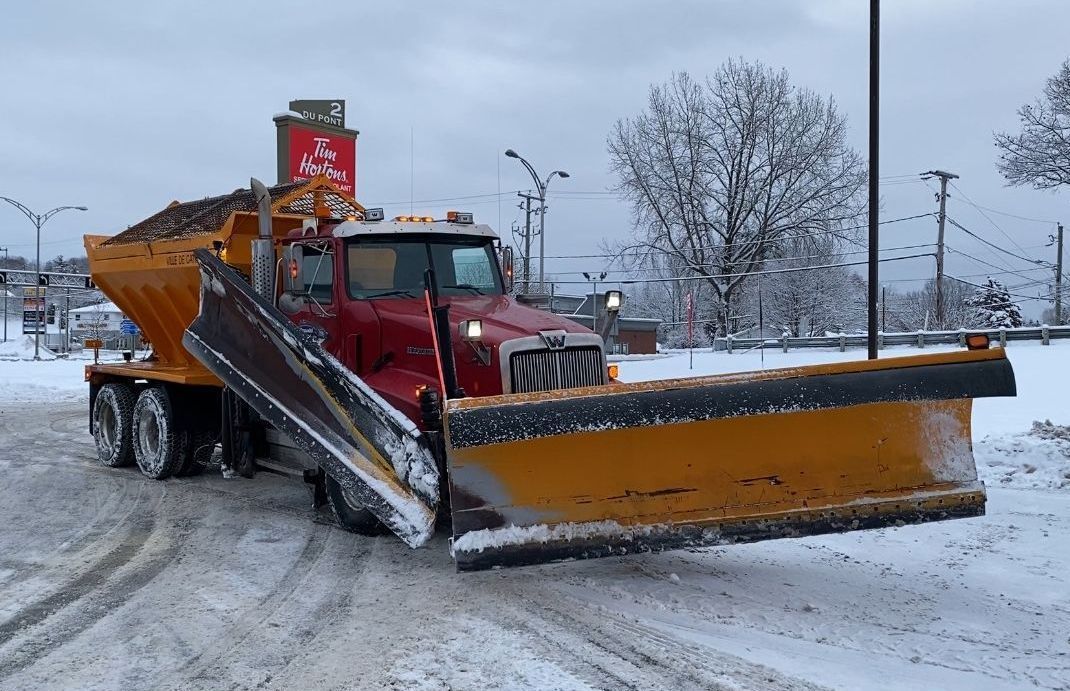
<point>720,172</point>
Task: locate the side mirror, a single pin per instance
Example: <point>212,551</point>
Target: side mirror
<point>506,254</point>
<point>292,297</point>
<point>293,280</point>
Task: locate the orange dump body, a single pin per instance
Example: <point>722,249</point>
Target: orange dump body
<point>152,277</point>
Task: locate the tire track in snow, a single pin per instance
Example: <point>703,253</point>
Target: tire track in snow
<point>65,589</point>
<point>210,663</point>
<point>110,513</point>
<point>679,664</point>
<point>50,623</point>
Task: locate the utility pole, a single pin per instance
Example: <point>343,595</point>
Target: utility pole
<point>1059,279</point>
<point>527,239</point>
<point>944,177</point>
<point>541,186</point>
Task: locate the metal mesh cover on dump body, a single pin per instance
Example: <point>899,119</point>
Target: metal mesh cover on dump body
<point>188,219</point>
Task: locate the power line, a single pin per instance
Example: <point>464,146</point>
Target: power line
<point>995,246</point>
<point>747,273</point>
<point>1010,215</point>
<point>771,259</point>
<point>977,285</point>
<point>742,242</point>
<point>987,218</point>
<point>1000,273</point>
<point>989,264</point>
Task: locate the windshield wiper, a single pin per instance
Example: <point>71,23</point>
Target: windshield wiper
<point>464,286</point>
<point>387,293</point>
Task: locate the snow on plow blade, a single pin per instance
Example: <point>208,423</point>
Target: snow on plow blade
<point>717,460</point>
<point>292,382</point>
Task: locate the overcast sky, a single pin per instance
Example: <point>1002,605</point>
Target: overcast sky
<point>123,107</point>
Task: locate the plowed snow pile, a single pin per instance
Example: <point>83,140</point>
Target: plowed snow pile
<point>1037,459</point>
<point>21,348</point>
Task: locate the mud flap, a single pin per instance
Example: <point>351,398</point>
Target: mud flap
<point>292,382</point>
<point>716,460</point>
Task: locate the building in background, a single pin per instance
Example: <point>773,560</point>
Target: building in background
<point>101,321</point>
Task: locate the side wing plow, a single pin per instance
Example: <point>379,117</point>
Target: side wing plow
<point>717,460</point>
<point>353,434</point>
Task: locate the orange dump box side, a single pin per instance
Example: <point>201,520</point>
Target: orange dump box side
<point>149,271</point>
<point>157,284</point>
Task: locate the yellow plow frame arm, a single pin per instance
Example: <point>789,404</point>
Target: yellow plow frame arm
<point>715,460</point>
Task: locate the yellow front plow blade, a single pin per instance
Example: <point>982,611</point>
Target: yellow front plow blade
<point>716,460</point>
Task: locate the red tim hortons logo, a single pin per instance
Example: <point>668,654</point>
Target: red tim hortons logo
<point>315,153</point>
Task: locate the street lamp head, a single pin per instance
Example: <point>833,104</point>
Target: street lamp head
<point>511,154</point>
<point>561,173</point>
<point>82,208</point>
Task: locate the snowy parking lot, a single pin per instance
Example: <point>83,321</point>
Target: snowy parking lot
<point>110,580</point>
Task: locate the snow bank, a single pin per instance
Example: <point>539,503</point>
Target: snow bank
<point>1037,459</point>
<point>21,348</point>
<point>47,382</point>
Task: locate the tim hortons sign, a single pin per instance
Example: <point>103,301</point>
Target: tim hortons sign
<point>315,153</point>
<point>307,148</point>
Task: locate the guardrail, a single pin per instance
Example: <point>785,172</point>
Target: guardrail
<point>1044,334</point>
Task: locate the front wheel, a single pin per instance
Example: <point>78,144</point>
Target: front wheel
<point>350,513</point>
<point>156,445</point>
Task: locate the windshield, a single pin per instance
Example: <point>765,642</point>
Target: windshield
<point>392,267</point>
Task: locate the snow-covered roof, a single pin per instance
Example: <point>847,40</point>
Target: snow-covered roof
<point>94,309</point>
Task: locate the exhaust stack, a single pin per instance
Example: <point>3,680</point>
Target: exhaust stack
<point>262,272</point>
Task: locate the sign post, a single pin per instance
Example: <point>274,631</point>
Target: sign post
<point>129,328</point>
<point>96,344</point>
<point>33,309</point>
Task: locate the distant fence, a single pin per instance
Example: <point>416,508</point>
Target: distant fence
<point>920,339</point>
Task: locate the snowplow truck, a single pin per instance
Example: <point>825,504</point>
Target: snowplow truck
<point>386,363</point>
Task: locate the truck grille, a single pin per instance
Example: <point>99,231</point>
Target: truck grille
<point>550,370</point>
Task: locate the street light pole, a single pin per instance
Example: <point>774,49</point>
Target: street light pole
<point>38,220</point>
<point>541,186</point>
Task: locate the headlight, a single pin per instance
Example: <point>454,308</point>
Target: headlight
<point>472,329</point>
<point>613,300</point>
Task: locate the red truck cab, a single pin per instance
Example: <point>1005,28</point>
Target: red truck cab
<point>363,289</point>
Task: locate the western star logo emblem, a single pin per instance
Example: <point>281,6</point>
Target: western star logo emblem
<point>554,340</point>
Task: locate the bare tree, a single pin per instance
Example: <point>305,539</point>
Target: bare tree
<point>813,301</point>
<point>916,310</point>
<point>720,172</point>
<point>1040,154</point>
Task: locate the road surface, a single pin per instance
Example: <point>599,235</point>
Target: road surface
<point>109,580</point>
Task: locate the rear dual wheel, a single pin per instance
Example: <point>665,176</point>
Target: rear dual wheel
<point>157,446</point>
<point>160,445</point>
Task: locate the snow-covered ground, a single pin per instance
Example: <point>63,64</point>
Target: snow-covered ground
<point>109,580</point>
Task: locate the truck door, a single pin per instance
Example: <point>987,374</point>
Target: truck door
<point>318,317</point>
